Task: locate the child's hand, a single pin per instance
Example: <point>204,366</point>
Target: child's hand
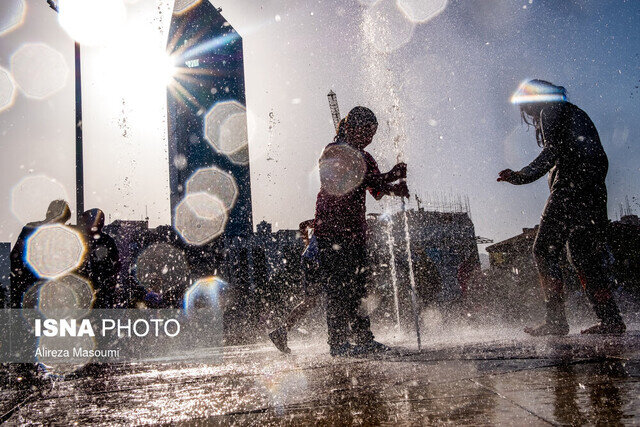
<point>399,171</point>
<point>505,175</point>
<point>401,190</point>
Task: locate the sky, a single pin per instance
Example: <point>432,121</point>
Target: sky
<point>439,84</point>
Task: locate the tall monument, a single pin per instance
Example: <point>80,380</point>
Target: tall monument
<point>207,120</point>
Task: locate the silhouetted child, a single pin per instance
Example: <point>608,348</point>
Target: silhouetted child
<point>347,172</point>
<point>575,215</point>
<point>102,264</point>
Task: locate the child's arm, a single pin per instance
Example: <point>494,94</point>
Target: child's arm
<point>380,184</point>
<point>535,170</point>
<point>400,189</point>
<point>399,171</point>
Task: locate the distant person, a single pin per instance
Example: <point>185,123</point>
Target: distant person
<point>313,289</point>
<point>102,264</point>
<point>575,215</point>
<point>346,173</point>
<point>22,277</point>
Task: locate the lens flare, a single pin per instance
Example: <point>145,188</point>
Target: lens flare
<point>170,68</point>
<point>240,157</point>
<point>137,66</point>
<point>205,294</point>
<point>535,91</point>
<point>54,250</point>
<point>182,6</point>
<point>283,388</point>
<point>66,297</point>
<point>386,27</point>
<point>215,182</point>
<point>32,195</point>
<point>70,296</point>
<point>13,13</point>
<point>55,298</point>
<point>200,218</point>
<point>422,10</point>
<point>7,90</point>
<point>313,179</point>
<point>225,127</point>
<point>39,70</point>
<point>180,162</point>
<point>342,169</point>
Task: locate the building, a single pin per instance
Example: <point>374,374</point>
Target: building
<point>5,271</point>
<point>513,276</point>
<point>444,256</point>
<point>207,118</point>
<point>515,253</point>
<point>158,260</point>
<point>209,153</point>
<point>624,241</point>
<point>513,258</point>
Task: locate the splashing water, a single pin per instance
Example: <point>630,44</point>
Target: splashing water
<point>383,85</point>
<point>412,279</point>
<point>394,273</point>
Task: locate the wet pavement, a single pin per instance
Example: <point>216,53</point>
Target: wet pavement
<point>522,381</point>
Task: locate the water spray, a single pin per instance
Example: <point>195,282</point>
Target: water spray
<point>415,304</point>
<point>412,280</point>
<point>380,72</point>
<point>394,271</point>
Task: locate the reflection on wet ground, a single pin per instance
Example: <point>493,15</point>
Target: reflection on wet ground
<point>570,380</point>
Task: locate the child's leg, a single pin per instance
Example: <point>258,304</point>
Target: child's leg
<point>299,311</point>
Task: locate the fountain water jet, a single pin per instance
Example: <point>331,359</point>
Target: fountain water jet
<point>378,67</point>
<point>394,273</point>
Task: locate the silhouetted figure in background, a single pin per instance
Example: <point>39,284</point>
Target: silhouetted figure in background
<point>22,277</point>
<point>576,212</point>
<point>346,173</point>
<point>313,289</point>
<point>101,263</point>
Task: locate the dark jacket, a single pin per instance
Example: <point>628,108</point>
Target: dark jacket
<point>574,158</point>
<point>101,267</point>
<point>346,174</point>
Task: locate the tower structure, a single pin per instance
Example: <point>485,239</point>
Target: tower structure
<point>207,120</point>
<point>333,106</point>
